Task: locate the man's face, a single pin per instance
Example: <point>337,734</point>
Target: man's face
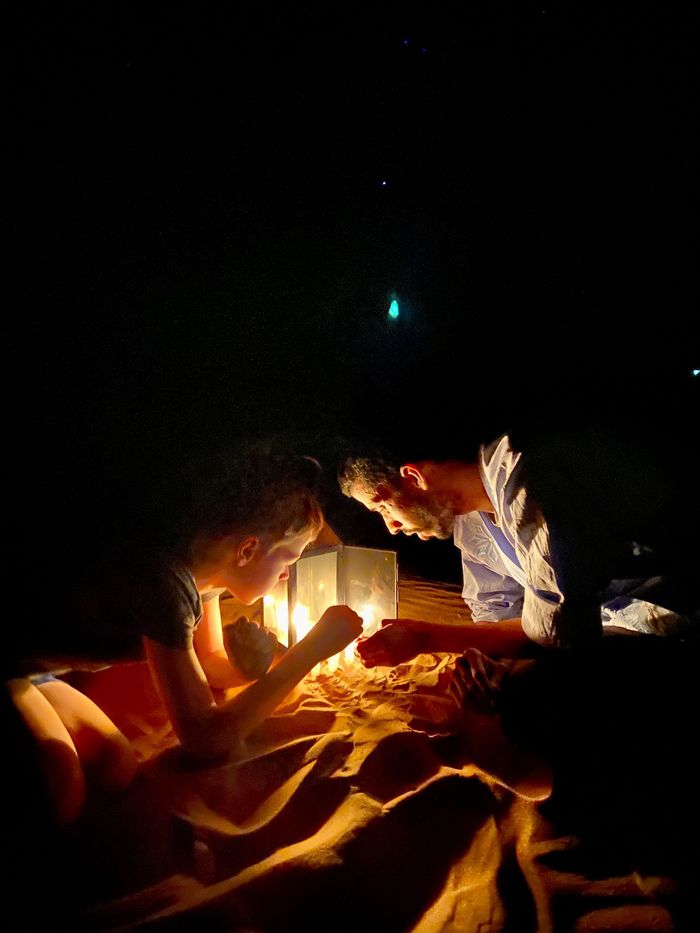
<point>407,509</point>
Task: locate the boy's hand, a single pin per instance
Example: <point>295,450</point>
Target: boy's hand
<point>249,648</point>
<point>337,627</point>
<point>396,642</point>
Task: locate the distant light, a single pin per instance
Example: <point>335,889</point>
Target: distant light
<point>424,50</point>
<point>696,372</point>
<point>384,184</point>
<point>406,41</point>
<point>394,310</point>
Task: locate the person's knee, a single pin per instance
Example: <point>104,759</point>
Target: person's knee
<point>106,756</point>
<point>115,766</point>
<point>64,779</point>
<point>50,774</point>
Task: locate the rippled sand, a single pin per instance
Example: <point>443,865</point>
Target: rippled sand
<point>367,802</point>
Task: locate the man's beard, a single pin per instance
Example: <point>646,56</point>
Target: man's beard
<point>432,518</point>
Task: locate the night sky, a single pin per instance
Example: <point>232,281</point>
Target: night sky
<point>213,205</point>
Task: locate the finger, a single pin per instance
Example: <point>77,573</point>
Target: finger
<point>475,662</point>
<point>493,675</point>
<point>465,661</point>
<point>377,659</point>
<point>481,673</point>
<point>375,642</point>
<point>471,692</point>
<point>370,658</point>
<point>484,674</point>
<point>456,691</point>
<point>464,686</point>
<point>472,688</point>
<point>486,686</point>
<point>467,668</point>
<point>499,674</point>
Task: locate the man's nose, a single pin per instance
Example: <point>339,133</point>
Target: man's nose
<point>394,527</point>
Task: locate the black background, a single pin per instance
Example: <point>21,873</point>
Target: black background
<point>213,204</point>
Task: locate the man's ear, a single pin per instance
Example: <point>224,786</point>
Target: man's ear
<point>413,476</point>
<point>247,549</point>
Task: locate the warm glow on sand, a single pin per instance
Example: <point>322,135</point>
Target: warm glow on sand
<point>276,617</point>
<point>372,783</point>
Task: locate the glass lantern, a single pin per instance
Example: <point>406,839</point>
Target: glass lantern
<point>363,578</point>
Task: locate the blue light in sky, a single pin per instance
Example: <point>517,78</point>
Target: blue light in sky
<point>394,309</point>
<point>696,372</point>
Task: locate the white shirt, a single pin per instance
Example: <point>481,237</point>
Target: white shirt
<point>508,569</point>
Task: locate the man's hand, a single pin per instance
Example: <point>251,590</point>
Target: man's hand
<point>477,679</point>
<point>337,627</point>
<point>396,642</point>
<point>250,648</point>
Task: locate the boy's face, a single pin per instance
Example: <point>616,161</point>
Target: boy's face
<point>265,567</point>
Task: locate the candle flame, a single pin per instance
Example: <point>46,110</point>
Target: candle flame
<point>276,618</point>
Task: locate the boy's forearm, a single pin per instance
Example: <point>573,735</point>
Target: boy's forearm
<point>208,729</point>
<point>254,704</point>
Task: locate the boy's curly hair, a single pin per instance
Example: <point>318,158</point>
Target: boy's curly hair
<point>252,490</point>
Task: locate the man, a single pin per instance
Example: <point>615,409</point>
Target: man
<point>558,537</point>
<point>544,528</point>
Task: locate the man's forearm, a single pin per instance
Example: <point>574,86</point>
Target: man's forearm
<point>505,639</point>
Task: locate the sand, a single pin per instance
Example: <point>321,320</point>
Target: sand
<point>367,802</point>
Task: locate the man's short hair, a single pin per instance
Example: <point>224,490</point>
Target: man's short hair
<point>369,471</point>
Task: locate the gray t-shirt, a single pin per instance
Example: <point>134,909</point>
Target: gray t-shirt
<point>158,598</point>
<point>100,617</point>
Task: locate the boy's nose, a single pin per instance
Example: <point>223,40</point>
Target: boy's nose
<point>285,574</point>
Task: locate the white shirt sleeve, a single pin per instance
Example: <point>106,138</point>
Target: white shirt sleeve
<point>489,591</point>
<point>490,595</point>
